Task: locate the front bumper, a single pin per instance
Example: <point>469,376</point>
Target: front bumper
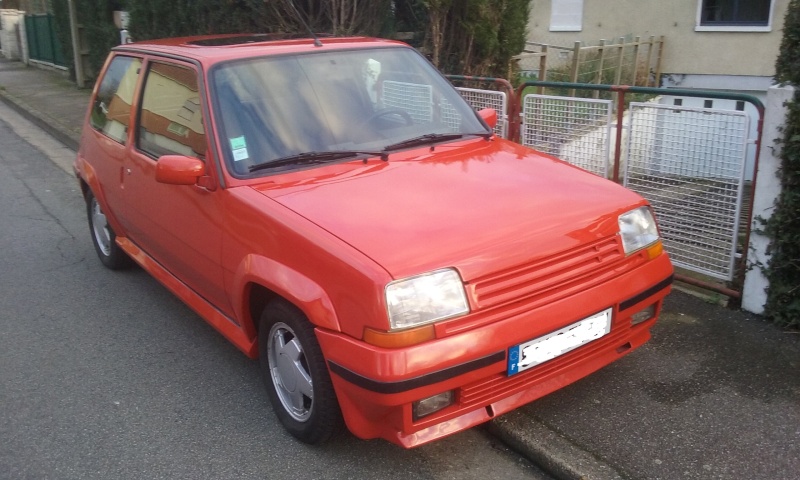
<point>376,387</point>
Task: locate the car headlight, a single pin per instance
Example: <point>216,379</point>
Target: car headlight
<point>425,298</point>
<point>637,229</point>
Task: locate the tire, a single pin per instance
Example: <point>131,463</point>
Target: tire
<point>296,376</point>
<point>103,236</point>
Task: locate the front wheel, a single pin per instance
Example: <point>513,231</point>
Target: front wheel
<point>295,374</point>
<point>103,236</point>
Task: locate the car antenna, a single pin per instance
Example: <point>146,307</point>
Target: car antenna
<point>317,42</point>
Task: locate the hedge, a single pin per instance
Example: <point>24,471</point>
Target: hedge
<point>783,227</point>
<point>469,37</point>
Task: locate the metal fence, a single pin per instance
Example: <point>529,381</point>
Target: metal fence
<point>496,93</point>
<point>576,130</point>
<point>414,98</point>
<point>689,163</point>
<point>480,99</point>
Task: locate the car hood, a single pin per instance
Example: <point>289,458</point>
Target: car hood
<point>479,206</point>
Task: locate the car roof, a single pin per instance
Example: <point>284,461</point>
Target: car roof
<point>215,48</point>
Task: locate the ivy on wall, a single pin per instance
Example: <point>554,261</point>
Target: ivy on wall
<point>783,227</point>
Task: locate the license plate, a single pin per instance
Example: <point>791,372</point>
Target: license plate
<point>539,350</point>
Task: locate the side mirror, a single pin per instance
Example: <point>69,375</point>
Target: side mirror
<point>179,170</point>
<point>489,115</point>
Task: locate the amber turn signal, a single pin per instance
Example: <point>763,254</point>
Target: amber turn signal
<point>655,250</point>
<point>404,338</point>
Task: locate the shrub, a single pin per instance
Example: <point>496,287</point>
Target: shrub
<point>474,37</point>
<point>783,227</point>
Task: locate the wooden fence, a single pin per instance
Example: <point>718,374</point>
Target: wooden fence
<point>625,61</point>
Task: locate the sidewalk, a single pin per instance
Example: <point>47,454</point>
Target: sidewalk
<point>47,98</point>
<point>715,394</point>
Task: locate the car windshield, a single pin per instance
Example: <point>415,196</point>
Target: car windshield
<point>360,101</point>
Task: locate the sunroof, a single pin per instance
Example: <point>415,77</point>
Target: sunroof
<point>245,39</point>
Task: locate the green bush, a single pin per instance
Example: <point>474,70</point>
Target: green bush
<point>159,18</point>
<point>783,227</point>
<point>473,37</point>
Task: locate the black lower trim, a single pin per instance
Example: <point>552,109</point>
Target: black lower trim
<point>417,382</point>
<point>650,291</point>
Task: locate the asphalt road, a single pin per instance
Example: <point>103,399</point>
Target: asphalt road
<point>107,375</point>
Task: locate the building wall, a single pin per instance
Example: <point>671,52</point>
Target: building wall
<point>686,51</point>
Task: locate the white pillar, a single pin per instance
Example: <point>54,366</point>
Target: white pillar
<point>768,187</point>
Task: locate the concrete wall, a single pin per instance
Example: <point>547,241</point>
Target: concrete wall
<point>10,21</point>
<point>768,188</point>
<point>687,51</point>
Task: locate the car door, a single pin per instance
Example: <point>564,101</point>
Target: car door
<point>180,226</point>
<point>105,143</point>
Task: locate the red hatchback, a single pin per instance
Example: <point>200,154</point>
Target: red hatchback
<point>340,213</point>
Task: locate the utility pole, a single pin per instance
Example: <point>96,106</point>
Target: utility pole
<point>76,44</point>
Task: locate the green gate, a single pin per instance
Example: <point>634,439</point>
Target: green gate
<point>43,44</point>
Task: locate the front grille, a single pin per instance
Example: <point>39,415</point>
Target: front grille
<point>529,286</point>
<point>548,276</point>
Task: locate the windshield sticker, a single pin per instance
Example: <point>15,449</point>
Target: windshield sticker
<point>239,149</point>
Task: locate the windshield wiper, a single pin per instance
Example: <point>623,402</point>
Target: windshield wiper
<point>310,158</point>
<point>430,138</point>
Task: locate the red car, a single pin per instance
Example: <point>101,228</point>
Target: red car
<point>340,213</point>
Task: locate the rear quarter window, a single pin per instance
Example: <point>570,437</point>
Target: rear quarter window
<point>112,106</point>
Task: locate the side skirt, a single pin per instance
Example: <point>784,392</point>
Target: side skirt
<point>222,323</point>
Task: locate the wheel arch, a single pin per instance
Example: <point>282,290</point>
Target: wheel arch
<point>89,183</point>
<point>87,178</point>
<point>262,280</point>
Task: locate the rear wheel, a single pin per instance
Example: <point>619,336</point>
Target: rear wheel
<point>103,236</point>
<point>295,374</point>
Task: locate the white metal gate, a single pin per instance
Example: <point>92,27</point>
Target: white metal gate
<point>414,98</point>
<point>576,130</point>
<point>480,99</point>
<point>417,100</point>
<point>689,163</point>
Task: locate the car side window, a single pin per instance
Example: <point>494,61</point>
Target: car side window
<point>171,120</point>
<point>112,106</point>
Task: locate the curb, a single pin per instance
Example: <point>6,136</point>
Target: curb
<point>68,137</point>
<point>548,450</point>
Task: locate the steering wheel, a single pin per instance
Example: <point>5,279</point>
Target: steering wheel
<point>390,111</point>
